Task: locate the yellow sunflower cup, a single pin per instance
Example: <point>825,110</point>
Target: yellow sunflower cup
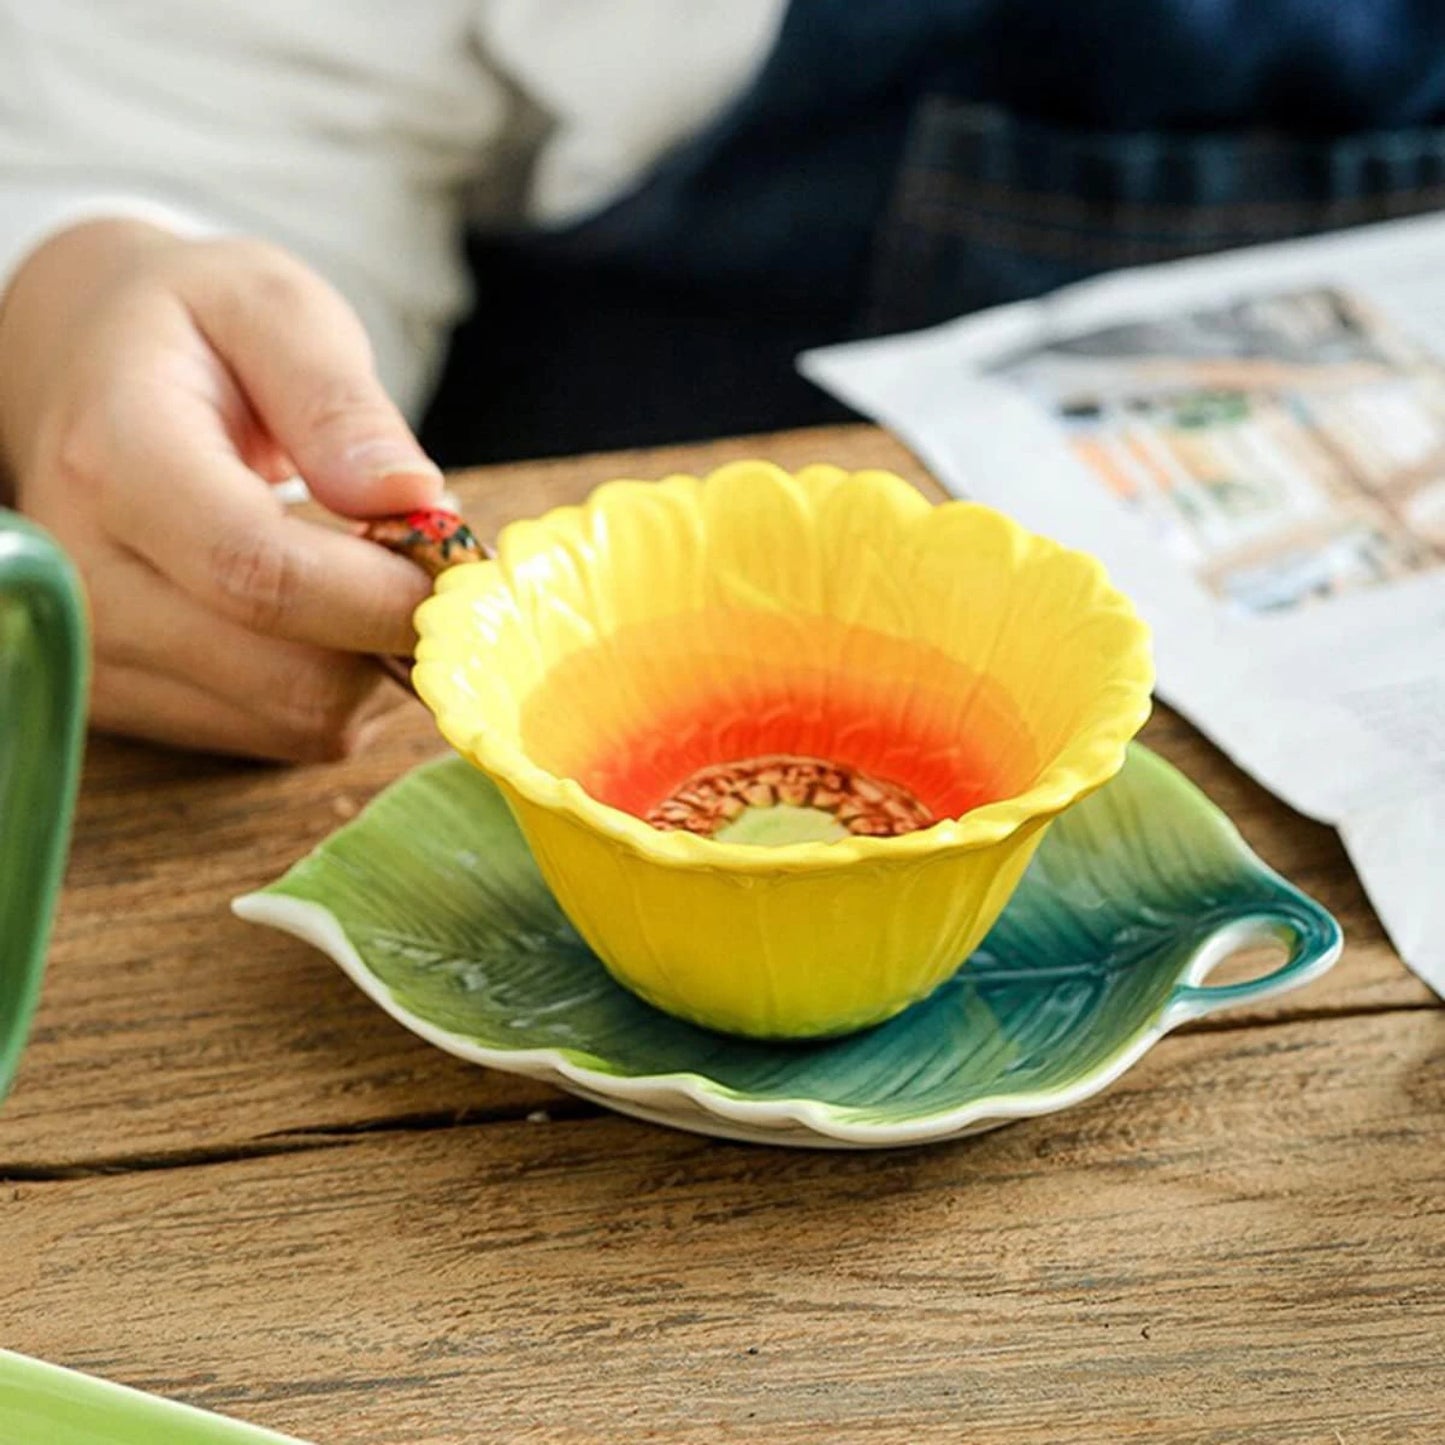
<point>783,745</point>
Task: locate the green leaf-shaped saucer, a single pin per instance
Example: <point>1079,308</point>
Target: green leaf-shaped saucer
<point>431,902</point>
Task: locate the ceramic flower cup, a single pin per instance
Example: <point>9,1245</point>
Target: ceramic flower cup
<point>781,745</point>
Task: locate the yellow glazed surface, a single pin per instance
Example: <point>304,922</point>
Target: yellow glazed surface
<point>612,648</point>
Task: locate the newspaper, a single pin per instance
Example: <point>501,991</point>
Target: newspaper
<point>1254,444</point>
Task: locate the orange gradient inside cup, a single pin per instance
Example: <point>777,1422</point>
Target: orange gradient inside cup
<point>888,707</point>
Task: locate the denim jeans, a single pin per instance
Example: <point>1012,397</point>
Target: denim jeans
<point>989,209</point>
<point>676,313</point>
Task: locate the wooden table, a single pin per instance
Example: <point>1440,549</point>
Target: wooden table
<point>225,1176</point>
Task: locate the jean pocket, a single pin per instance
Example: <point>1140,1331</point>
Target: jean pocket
<point>989,208</point>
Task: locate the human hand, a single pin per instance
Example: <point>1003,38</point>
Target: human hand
<point>152,391</point>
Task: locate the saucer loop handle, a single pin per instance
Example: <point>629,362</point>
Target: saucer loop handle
<point>1311,936</point>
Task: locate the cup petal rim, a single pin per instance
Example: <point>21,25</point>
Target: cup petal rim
<point>1091,757</point>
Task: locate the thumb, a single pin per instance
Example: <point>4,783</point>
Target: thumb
<point>303,359</point>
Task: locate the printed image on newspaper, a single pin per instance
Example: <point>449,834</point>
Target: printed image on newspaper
<point>1254,444</point>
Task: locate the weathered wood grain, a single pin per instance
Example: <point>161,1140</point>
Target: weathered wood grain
<point>168,1029</point>
<point>232,1180</point>
<point>1243,1241</point>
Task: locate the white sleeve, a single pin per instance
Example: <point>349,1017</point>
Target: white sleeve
<point>31,214</point>
<point>347,131</point>
<point>620,82</point>
<point>355,133</point>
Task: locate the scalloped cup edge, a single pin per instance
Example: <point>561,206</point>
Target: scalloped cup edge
<point>1090,759</point>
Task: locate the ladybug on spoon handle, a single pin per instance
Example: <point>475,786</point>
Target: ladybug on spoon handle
<point>435,539</point>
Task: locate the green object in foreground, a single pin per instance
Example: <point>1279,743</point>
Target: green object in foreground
<point>43,1404</point>
<point>432,903</point>
<point>42,727</point>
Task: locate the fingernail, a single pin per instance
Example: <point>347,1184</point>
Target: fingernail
<point>383,459</point>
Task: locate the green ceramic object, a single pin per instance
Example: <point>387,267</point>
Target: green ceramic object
<point>43,1404</point>
<point>42,722</point>
<point>432,904</point>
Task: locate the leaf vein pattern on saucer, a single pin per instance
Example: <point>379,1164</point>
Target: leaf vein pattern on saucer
<point>439,896</point>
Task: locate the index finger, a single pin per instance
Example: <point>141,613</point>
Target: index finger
<point>179,496</point>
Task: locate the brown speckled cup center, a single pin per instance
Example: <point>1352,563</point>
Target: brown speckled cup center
<point>716,796</point>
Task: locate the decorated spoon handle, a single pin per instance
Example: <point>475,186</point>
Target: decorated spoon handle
<point>435,540</point>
